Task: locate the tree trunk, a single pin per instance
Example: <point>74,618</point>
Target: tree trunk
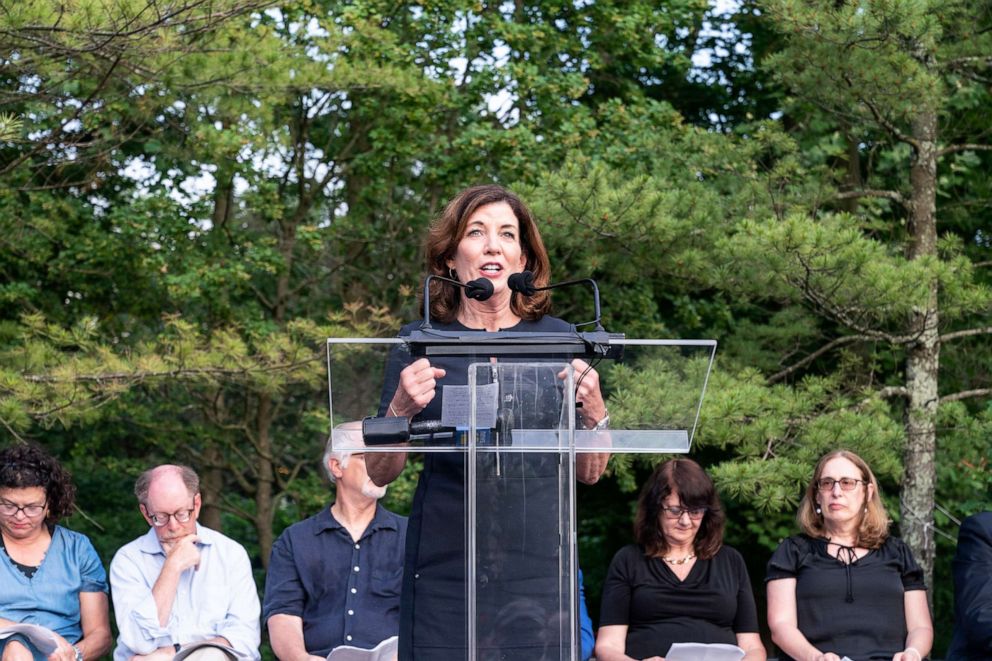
<point>852,165</point>
<point>923,361</point>
<point>211,486</point>
<point>264,506</point>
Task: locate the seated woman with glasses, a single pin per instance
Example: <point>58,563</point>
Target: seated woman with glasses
<point>844,587</point>
<point>49,576</point>
<point>679,583</point>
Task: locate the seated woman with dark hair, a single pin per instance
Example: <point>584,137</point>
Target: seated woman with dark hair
<point>679,583</point>
<point>51,576</point>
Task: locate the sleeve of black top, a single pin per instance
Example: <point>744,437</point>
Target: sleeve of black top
<point>746,619</point>
<point>284,593</point>
<point>785,561</point>
<point>615,604</point>
<point>910,572</point>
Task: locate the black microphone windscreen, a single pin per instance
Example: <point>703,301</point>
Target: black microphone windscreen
<point>522,283</point>
<point>383,431</point>
<point>480,289</point>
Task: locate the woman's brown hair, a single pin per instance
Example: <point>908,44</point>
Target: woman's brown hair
<point>25,465</point>
<point>695,489</point>
<point>874,526</point>
<point>446,232</point>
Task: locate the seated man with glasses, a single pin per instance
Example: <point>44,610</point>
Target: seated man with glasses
<point>335,578</point>
<point>181,584</point>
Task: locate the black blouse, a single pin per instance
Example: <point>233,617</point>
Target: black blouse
<point>518,586</point>
<point>712,605</point>
<point>855,609</point>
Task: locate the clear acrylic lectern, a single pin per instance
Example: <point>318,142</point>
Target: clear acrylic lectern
<point>512,421</point>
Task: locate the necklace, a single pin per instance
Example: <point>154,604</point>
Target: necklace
<point>679,561</point>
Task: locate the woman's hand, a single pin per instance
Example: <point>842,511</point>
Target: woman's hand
<point>908,654</point>
<point>417,387</point>
<point>587,393</point>
<point>829,656</point>
<point>64,651</point>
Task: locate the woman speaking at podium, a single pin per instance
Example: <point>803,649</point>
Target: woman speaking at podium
<point>485,232</point>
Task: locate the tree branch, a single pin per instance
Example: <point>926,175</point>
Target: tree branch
<point>809,358</point>
<point>12,431</point>
<point>880,118</point>
<point>965,394</point>
<point>112,377</point>
<point>842,316</point>
<point>886,194</point>
<point>970,332</point>
<point>953,149</point>
<point>889,392</point>
<point>956,62</point>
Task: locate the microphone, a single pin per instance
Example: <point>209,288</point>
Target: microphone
<point>523,284</point>
<point>399,429</point>
<point>479,289</point>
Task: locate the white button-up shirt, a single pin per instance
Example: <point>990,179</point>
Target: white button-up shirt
<point>217,599</point>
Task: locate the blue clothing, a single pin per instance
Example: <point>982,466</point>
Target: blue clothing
<point>585,624</point>
<point>51,598</point>
<point>973,590</point>
<point>519,567</point>
<point>346,592</point>
<point>21,638</point>
<point>216,598</point>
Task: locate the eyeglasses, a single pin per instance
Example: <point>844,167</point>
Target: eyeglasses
<point>161,519</point>
<point>30,511</point>
<point>695,513</point>
<point>846,483</point>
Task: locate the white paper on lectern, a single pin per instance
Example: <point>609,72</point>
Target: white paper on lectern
<point>704,652</point>
<point>40,637</point>
<point>384,651</point>
<point>457,401</point>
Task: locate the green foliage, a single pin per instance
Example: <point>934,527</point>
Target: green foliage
<point>829,264</point>
<point>190,207</point>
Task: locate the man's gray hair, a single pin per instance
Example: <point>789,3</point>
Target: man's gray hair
<point>144,482</point>
<point>344,441</point>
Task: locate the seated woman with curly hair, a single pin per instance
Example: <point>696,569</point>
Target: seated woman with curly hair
<point>51,576</point>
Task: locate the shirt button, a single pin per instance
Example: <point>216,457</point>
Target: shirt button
<point>354,591</point>
<point>416,575</point>
<point>348,637</point>
<point>358,546</point>
<point>351,612</point>
<point>356,567</point>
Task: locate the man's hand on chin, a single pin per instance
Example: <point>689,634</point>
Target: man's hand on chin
<point>183,552</point>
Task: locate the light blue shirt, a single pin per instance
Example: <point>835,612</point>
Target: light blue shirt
<point>217,599</point>
<point>51,598</point>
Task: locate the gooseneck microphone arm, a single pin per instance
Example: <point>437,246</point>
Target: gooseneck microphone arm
<point>523,284</point>
<point>479,289</point>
